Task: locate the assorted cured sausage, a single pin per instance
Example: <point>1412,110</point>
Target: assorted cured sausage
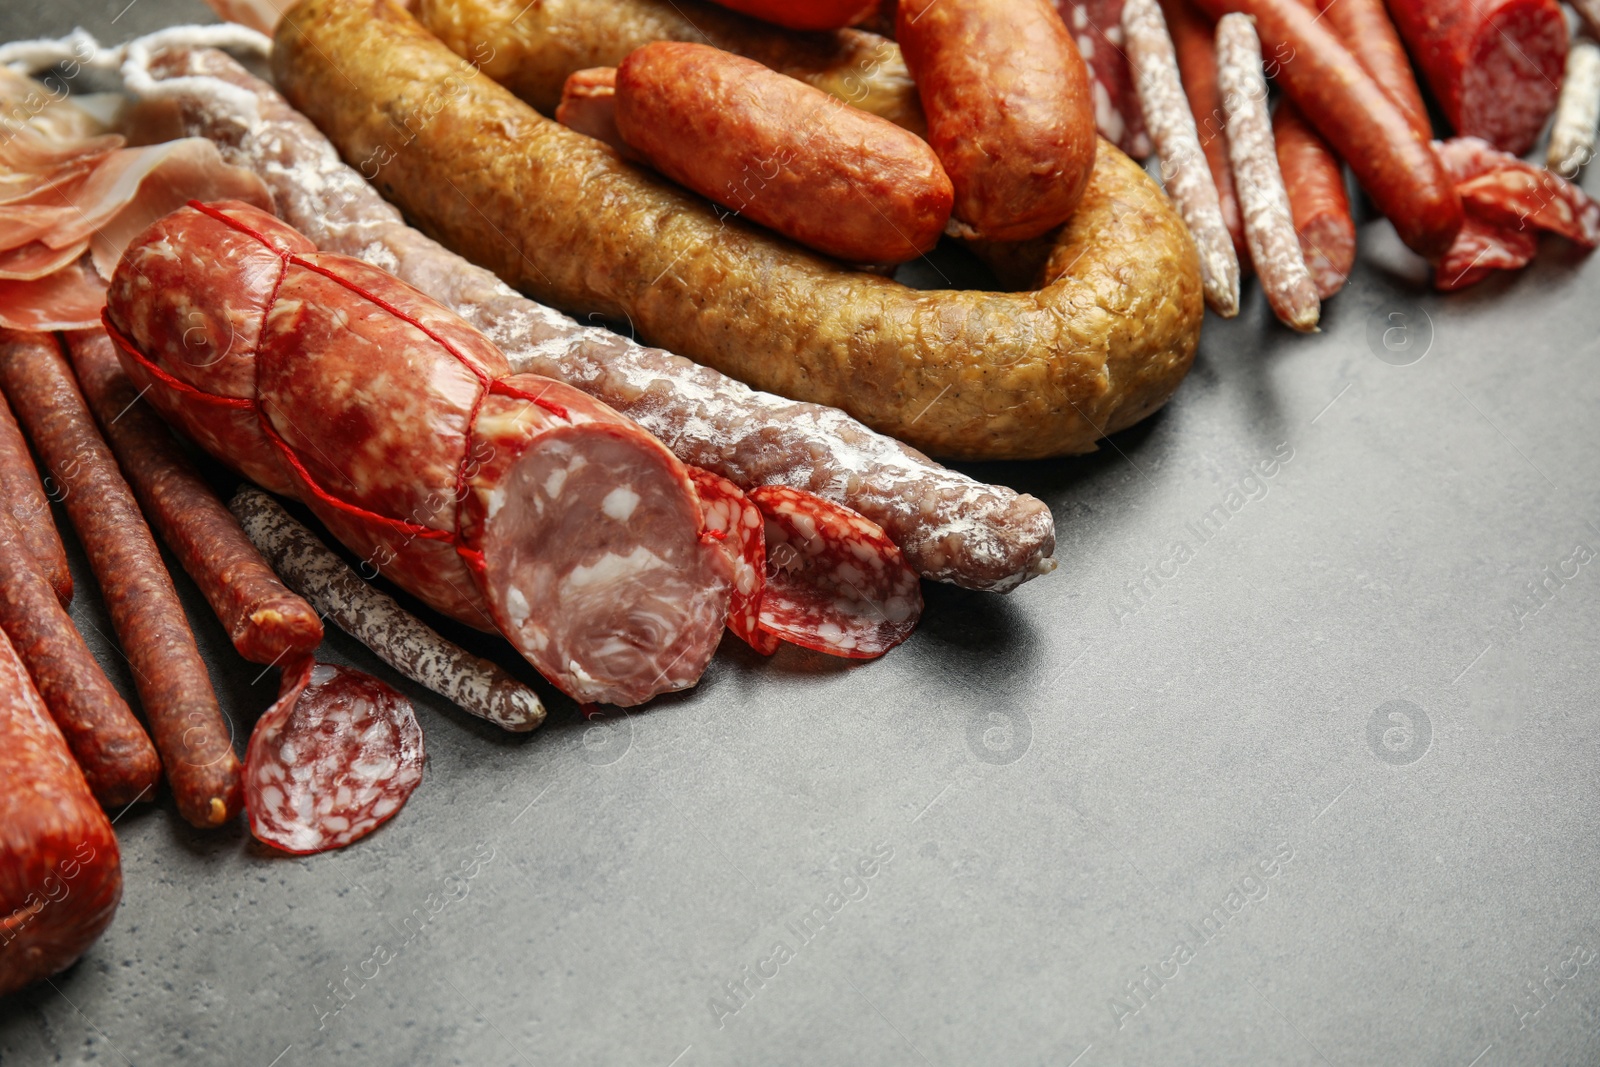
<point>733,181</point>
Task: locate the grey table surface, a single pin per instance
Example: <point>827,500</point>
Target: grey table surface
<point>1293,761</point>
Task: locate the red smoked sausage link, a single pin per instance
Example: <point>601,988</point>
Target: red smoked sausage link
<point>1495,66</point>
<point>60,873</point>
<point>1397,168</point>
<point>265,621</point>
<point>1366,29</point>
<point>25,498</point>
<point>786,155</point>
<point>1009,109</point>
<point>1314,180</point>
<point>174,689</point>
<point>805,14</point>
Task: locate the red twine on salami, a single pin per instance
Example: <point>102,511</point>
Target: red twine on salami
<point>335,757</point>
<point>835,582</point>
<point>736,524</point>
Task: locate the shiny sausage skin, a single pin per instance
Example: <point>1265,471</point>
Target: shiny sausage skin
<point>107,741</point>
<point>1009,110</point>
<point>1194,43</point>
<point>264,620</point>
<point>512,502</point>
<point>1314,178</point>
<point>531,49</point>
<point>783,154</point>
<point>1366,29</point>
<point>26,501</point>
<point>805,14</point>
<point>969,374</point>
<point>174,689</point>
<point>1398,169</point>
<point>60,871</point>
<point>1495,66</point>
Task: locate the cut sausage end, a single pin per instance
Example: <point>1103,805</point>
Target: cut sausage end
<point>1511,83</point>
<point>595,568</point>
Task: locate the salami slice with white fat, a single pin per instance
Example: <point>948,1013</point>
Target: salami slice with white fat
<point>333,759</point>
<point>835,582</point>
<point>735,523</point>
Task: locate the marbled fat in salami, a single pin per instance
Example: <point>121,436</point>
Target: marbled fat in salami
<point>736,523</point>
<point>835,582</point>
<point>328,768</point>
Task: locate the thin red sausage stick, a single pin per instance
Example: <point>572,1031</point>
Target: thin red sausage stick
<point>265,621</point>
<point>109,744</point>
<point>1314,178</point>
<point>1366,29</point>
<point>25,499</point>
<point>179,704</point>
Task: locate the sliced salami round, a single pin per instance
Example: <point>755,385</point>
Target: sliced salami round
<point>736,524</point>
<point>335,757</point>
<point>835,582</point>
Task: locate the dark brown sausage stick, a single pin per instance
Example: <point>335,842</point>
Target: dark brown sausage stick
<point>265,621</point>
<point>179,704</point>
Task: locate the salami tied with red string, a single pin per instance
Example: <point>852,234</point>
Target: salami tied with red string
<point>736,524</point>
<point>835,582</point>
<point>331,761</point>
<point>509,501</point>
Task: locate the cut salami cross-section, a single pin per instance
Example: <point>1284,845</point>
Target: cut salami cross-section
<point>334,758</point>
<point>734,521</point>
<point>509,501</point>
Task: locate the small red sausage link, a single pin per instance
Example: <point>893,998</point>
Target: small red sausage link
<point>1195,45</point>
<point>265,621</point>
<point>26,501</point>
<point>1366,29</point>
<point>179,704</point>
<point>1495,66</point>
<point>1314,178</point>
<point>60,872</point>
<point>805,14</point>
<point>1399,170</point>
<point>109,744</point>
<point>784,154</point>
<point>1009,108</point>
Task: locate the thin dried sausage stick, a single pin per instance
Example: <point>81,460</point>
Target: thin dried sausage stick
<point>26,501</point>
<point>265,621</point>
<point>1398,169</point>
<point>1573,135</point>
<point>1268,224</point>
<point>1194,44</point>
<point>1314,180</point>
<point>179,704</point>
<point>1006,94</point>
<point>398,637</point>
<point>60,872</point>
<point>107,741</point>
<point>1183,167</point>
<point>951,528</point>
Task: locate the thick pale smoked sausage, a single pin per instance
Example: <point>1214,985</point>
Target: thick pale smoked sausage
<point>60,872</point>
<point>970,374</point>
